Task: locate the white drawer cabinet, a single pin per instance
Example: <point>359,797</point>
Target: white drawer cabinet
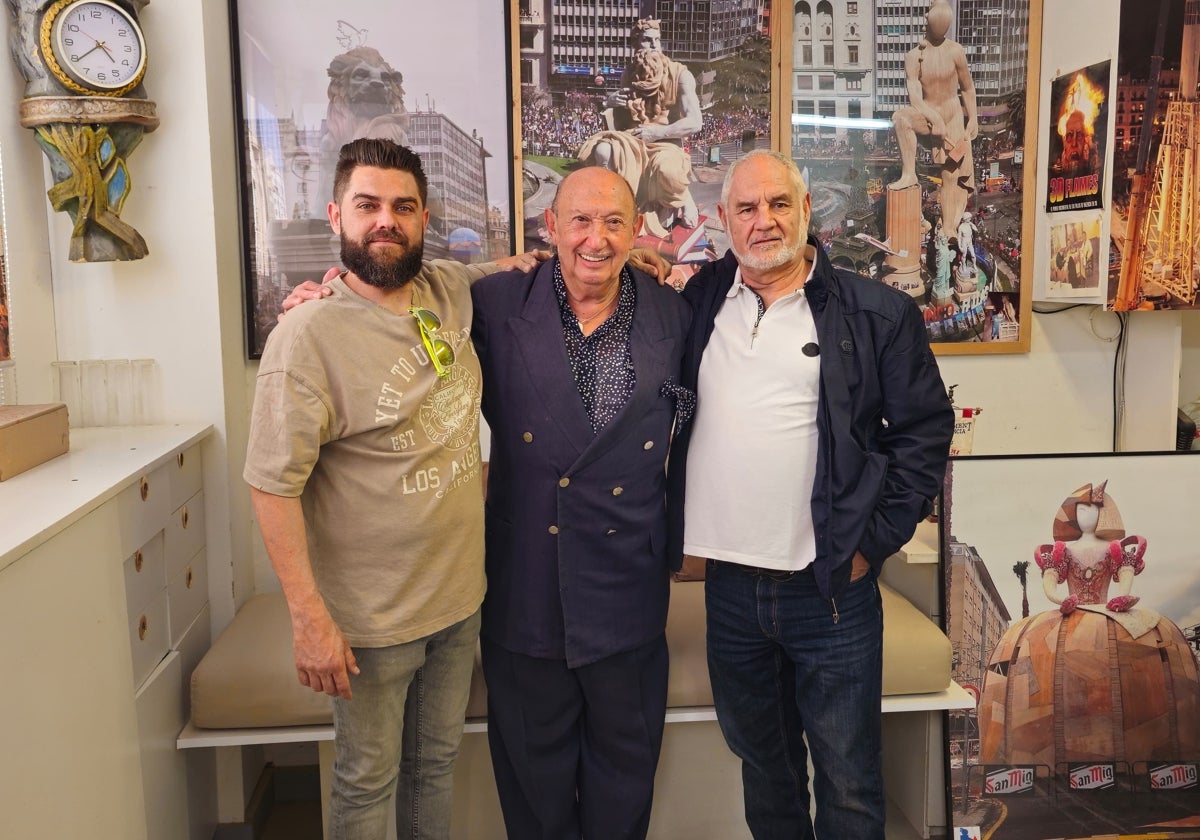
<point>103,605</point>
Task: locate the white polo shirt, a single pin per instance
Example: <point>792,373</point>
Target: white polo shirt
<point>752,459</point>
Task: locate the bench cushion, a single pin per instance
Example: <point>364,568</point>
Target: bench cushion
<point>247,679</point>
<point>916,653</point>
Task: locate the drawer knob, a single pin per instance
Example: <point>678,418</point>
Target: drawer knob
<point>137,561</point>
<point>183,518</point>
<point>188,578</point>
<point>145,489</point>
<point>179,460</point>
<point>143,628</point>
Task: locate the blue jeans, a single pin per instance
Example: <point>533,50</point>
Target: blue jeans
<point>783,671</point>
<point>406,720</point>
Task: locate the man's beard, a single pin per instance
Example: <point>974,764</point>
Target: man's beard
<point>780,257</point>
<point>382,273</point>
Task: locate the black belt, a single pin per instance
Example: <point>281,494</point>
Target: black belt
<point>773,574</point>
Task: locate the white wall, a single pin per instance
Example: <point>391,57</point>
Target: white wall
<point>181,305</point>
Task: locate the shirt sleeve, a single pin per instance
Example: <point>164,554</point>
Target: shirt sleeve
<point>288,424</point>
<point>467,273</point>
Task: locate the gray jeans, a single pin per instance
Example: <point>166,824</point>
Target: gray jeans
<point>406,720</point>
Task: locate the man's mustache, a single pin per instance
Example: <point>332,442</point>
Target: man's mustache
<point>387,236</point>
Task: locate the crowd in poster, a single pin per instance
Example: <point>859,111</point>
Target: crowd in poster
<point>1078,139</point>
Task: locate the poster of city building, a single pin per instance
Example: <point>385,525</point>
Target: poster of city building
<point>1072,602</point>
<point>1155,260</point>
<point>312,75</point>
<point>598,78</point>
<point>916,126</point>
<point>1078,139</point>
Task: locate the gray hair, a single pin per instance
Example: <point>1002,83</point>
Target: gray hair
<point>779,157</point>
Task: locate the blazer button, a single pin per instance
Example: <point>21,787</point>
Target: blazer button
<point>553,529</point>
<point>527,437</point>
<point>564,481</point>
<point>648,445</point>
<point>617,491</point>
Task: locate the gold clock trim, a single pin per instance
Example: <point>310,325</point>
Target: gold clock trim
<point>44,44</point>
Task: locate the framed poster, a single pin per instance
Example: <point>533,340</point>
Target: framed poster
<point>916,128</point>
<point>1078,139</point>
<point>1072,598</point>
<point>1155,203</point>
<point>312,75</point>
<point>666,94</point>
<point>5,332</point>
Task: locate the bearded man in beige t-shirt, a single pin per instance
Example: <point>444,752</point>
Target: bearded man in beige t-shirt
<point>365,476</point>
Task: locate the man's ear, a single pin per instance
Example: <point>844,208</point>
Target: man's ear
<point>721,216</point>
<point>551,225</point>
<point>638,221</point>
<point>335,217</point>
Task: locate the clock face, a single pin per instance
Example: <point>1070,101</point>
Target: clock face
<point>95,45</point>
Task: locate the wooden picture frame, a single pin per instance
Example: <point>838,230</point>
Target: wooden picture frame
<point>569,60</point>
<point>1088,721</point>
<point>847,82</point>
<point>433,77</point>
<point>6,356</point>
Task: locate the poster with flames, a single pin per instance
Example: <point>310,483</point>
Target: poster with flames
<point>1078,139</point>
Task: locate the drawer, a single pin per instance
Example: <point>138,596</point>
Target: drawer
<point>141,509</point>
<point>184,534</point>
<point>149,637</point>
<point>196,641</point>
<point>186,476</point>
<point>145,574</point>
<point>160,716</point>
<point>187,593</point>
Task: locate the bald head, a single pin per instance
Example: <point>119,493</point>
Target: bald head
<point>592,223</point>
<point>589,178</point>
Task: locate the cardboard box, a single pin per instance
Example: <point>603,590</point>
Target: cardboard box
<point>31,435</point>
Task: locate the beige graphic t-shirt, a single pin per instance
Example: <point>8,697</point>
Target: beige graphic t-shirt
<point>350,415</point>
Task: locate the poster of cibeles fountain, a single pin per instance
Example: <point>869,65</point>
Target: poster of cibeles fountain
<point>666,94</point>
<point>916,126</point>
<point>1155,223</point>
<point>1072,597</point>
<point>312,75</point>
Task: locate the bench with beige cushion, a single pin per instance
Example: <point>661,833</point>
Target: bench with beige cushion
<point>245,692</point>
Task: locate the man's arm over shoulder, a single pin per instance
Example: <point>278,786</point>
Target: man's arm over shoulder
<point>916,437</point>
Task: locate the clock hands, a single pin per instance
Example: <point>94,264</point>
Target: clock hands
<point>100,45</point>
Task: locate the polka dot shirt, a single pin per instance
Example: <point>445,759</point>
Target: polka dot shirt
<point>601,362</point>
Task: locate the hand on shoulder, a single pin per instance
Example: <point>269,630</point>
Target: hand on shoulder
<point>308,290</point>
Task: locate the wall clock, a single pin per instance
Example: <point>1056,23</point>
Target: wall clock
<point>93,47</point>
<point>84,62</point>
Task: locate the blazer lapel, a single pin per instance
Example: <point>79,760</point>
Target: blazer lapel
<point>538,335</point>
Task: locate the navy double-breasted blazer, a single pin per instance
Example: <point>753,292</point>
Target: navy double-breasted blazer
<point>576,521</point>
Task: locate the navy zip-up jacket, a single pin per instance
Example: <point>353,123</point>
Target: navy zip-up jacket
<point>884,422</point>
